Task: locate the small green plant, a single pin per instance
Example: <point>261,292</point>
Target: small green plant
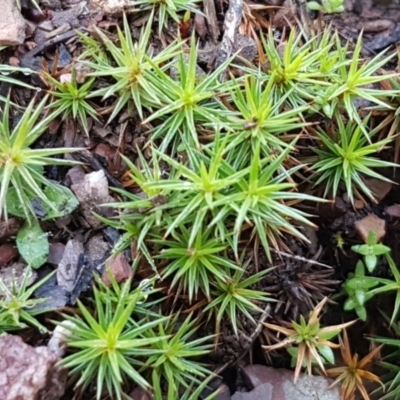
<point>108,345</point>
<point>71,99</point>
<point>389,285</point>
<point>17,307</point>
<point>21,167</point>
<point>312,341</point>
<point>130,66</point>
<point>346,157</point>
<point>357,287</point>
<point>391,378</point>
<point>193,190</point>
<point>194,266</point>
<point>167,9</point>
<point>258,119</point>
<point>326,6</point>
<point>371,250</point>
<point>352,80</point>
<point>175,358</point>
<point>297,69</point>
<point>187,102</point>
<point>235,295</point>
<point>259,199</point>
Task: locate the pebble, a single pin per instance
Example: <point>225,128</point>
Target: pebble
<point>368,223</point>
<point>12,24</point>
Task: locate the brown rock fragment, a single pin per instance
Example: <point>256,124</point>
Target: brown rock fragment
<point>368,223</point>
<point>12,24</point>
<point>7,253</point>
<point>119,268</point>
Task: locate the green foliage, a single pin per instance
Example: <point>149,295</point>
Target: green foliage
<point>33,244</point>
<point>130,65</point>
<point>235,295</point>
<point>186,101</point>
<point>166,9</point>
<point>259,199</point>
<point>326,6</point>
<point>112,344</point>
<point>72,99</point>
<point>17,308</point>
<point>173,359</point>
<point>346,157</point>
<point>390,363</point>
<point>357,287</point>
<point>194,266</point>
<point>353,81</point>
<point>389,285</point>
<point>6,70</point>
<point>21,168</point>
<point>108,345</point>
<point>258,119</point>
<point>193,191</point>
<point>297,69</point>
<point>371,250</point>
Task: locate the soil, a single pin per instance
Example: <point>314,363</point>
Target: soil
<point>301,278</point>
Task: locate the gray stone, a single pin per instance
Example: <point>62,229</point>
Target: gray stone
<point>262,392</point>
<point>12,24</point>
<point>67,270</point>
<point>278,384</point>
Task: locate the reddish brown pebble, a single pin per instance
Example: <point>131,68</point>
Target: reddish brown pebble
<point>358,205</point>
<point>14,61</point>
<point>119,268</point>
<point>370,222</point>
<point>139,394</point>
<point>8,253</point>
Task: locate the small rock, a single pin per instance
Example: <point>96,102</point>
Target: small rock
<point>15,274</point>
<point>139,394</point>
<point>70,264</point>
<point>278,384</point>
<point>9,228</point>
<point>113,7</point>
<point>29,373</point>
<point>56,253</point>
<point>57,342</point>
<point>262,392</point>
<point>91,192</point>
<point>75,175</point>
<point>393,211</point>
<point>55,296</point>
<point>255,375</point>
<point>223,392</point>
<point>97,251</point>
<point>12,24</point>
<point>368,223</point>
<point>358,204</point>
<point>8,253</point>
<point>119,268</point>
<point>379,187</point>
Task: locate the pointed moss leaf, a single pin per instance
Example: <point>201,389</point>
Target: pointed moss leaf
<point>63,200</point>
<point>33,244</point>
